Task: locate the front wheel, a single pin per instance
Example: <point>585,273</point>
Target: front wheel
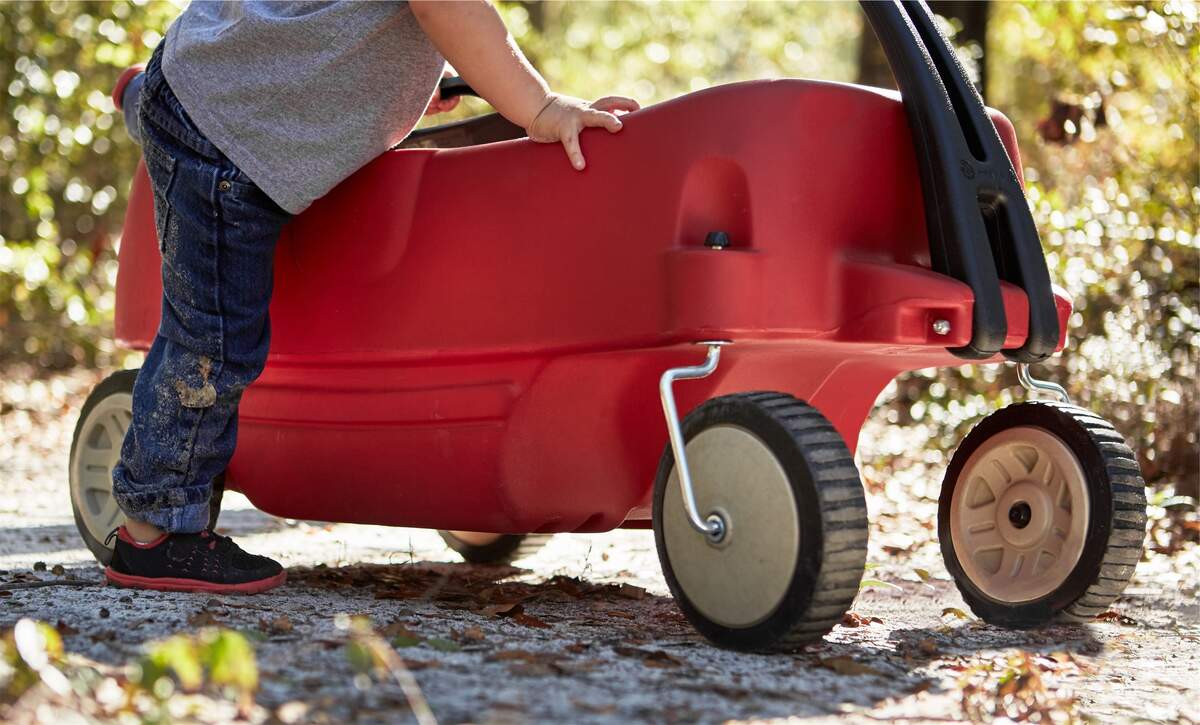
<point>1042,515</point>
<point>784,483</point>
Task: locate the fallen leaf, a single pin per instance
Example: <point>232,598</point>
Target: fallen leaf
<point>629,591</point>
<point>420,664</point>
<point>65,629</point>
<point>203,618</point>
<point>923,573</point>
<point>470,634</point>
<point>58,570</point>
<point>397,629</point>
<point>529,620</point>
<point>1114,616</point>
<point>502,610</point>
<point>650,658</point>
<point>847,666</point>
<point>854,619</point>
<point>878,583</point>
<point>597,708</point>
<point>956,612</point>
<point>280,625</point>
<point>442,645</point>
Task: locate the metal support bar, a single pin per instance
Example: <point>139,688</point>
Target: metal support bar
<point>713,526</point>
<point>1033,385</point>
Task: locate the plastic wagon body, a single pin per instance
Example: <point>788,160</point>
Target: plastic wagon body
<point>472,338</point>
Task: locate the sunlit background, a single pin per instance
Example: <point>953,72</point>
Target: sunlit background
<point>1104,97</point>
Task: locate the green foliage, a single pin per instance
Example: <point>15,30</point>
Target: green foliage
<point>1115,202</point>
<point>30,652</point>
<point>1103,95</point>
<point>219,657</point>
<point>65,161</point>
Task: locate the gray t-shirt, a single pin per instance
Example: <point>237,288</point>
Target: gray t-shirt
<point>301,94</point>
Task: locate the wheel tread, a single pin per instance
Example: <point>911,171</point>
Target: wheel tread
<point>1123,548</point>
<point>843,513</point>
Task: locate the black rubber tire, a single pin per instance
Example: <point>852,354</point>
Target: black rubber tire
<point>121,382</point>
<point>504,550</point>
<point>1115,533</point>
<point>831,508</point>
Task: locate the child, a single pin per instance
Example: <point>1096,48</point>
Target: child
<point>250,111</point>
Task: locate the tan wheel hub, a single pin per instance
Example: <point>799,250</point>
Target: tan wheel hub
<point>1019,514</point>
<point>741,580</point>
<point>96,454</point>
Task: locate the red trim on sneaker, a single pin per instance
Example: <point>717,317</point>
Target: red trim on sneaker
<point>124,535</point>
<point>169,584</point>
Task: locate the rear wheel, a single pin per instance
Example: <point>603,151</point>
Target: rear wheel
<point>95,450</point>
<point>480,548</point>
<point>1042,515</point>
<point>784,482</point>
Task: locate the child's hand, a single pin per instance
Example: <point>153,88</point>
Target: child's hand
<point>563,117</point>
<point>437,104</point>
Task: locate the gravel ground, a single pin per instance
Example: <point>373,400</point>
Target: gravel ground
<point>596,637</point>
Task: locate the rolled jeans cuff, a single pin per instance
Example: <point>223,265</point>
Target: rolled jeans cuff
<point>177,517</point>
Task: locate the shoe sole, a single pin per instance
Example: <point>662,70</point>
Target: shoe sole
<point>169,584</point>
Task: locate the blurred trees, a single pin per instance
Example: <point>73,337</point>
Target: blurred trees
<point>66,162</point>
<point>1104,97</point>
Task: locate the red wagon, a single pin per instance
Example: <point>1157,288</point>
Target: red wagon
<point>481,339</point>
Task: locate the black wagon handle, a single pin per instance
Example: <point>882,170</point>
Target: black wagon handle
<point>980,229</point>
<point>455,86</point>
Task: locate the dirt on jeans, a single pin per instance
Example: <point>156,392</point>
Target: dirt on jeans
<point>584,630</point>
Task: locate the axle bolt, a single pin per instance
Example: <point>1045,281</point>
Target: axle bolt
<point>941,327</point>
<point>1020,514</point>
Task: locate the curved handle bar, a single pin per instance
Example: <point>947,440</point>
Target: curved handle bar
<point>980,229</point>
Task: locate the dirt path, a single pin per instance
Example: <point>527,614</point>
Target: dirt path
<point>598,638</point>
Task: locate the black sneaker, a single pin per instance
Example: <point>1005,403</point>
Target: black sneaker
<point>203,562</point>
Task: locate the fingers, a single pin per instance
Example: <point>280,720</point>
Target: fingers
<point>439,105</point>
<point>612,104</point>
<point>602,120</point>
<point>570,142</point>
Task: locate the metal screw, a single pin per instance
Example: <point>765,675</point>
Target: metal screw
<point>941,327</point>
<point>717,240</point>
<point>716,528</point>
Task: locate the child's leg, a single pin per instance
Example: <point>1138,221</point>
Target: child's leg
<point>218,233</point>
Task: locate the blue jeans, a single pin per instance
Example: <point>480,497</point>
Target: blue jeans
<point>217,232</point>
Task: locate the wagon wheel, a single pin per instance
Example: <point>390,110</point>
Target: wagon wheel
<point>1042,515</point>
<point>95,449</point>
<point>480,548</point>
<point>782,479</point>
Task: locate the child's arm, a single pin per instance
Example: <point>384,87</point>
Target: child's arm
<point>473,38</point>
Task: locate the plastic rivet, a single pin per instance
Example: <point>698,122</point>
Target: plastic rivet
<point>717,240</point>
